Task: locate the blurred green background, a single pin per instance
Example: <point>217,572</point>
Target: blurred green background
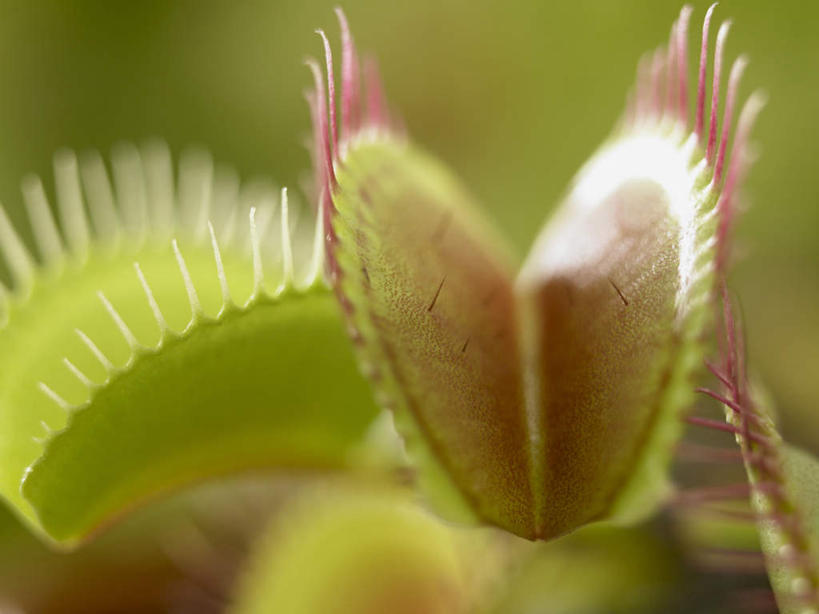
<point>514,95</point>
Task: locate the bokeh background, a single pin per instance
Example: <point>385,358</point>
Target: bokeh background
<point>514,95</point>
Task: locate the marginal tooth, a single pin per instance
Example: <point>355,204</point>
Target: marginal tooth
<point>17,256</point>
<point>317,259</point>
<point>331,89</point>
<point>132,341</point>
<point>734,77</point>
<point>193,297</point>
<point>670,80</point>
<point>47,429</point>
<point>268,231</point>
<point>682,63</point>
<point>43,225</point>
<point>708,216</point>
<point>707,245</point>
<point>701,73</point>
<point>739,154</point>
<point>160,319</point>
<point>641,95</point>
<point>220,269</point>
<point>101,357</point>
<point>265,212</point>
<point>695,303</point>
<point>195,184</point>
<point>160,186</point>
<point>228,234</point>
<point>287,249</point>
<point>700,171</point>
<point>263,197</point>
<point>65,405</point>
<point>129,179</point>
<point>719,47</point>
<point>79,374</point>
<point>295,216</point>
<point>256,250</point>
<point>204,212</point>
<point>225,196</point>
<point>70,202</point>
<point>702,273</point>
<point>100,198</point>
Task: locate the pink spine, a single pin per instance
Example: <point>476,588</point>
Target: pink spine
<point>712,126</point>
<point>349,77</point>
<point>733,84</point>
<point>706,24</point>
<point>331,89</point>
<point>657,82</point>
<point>671,63</point>
<point>682,63</point>
<point>321,124</point>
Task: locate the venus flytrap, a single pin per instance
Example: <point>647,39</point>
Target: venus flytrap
<point>551,398</point>
<point>535,399</point>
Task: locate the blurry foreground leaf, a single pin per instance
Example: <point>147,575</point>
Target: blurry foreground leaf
<point>354,553</point>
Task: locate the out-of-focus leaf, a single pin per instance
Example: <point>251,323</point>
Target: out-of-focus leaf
<point>354,553</point>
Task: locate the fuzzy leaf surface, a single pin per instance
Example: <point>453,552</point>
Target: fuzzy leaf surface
<point>431,294</point>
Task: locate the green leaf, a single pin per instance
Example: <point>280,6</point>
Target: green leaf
<point>224,354</point>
